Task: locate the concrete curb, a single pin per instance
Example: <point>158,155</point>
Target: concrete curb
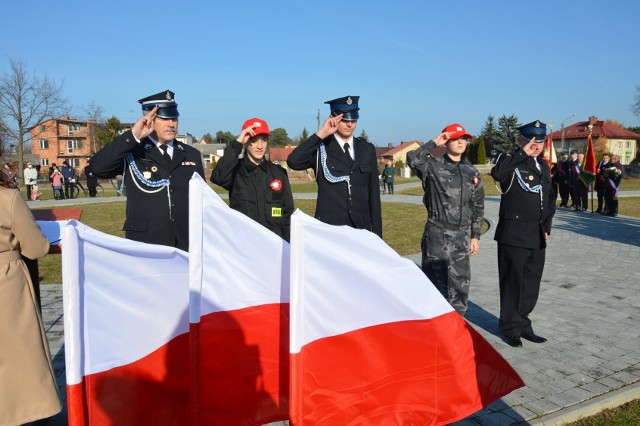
<point>591,407</point>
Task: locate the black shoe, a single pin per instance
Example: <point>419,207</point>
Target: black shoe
<point>513,341</point>
<point>532,337</point>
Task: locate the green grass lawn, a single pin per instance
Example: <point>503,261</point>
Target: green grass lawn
<point>402,223</point>
<point>402,228</point>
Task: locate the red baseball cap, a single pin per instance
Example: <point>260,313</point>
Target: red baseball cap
<point>261,126</point>
<point>456,131</point>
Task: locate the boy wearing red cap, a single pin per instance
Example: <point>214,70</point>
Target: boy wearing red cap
<point>257,187</point>
<point>454,198</point>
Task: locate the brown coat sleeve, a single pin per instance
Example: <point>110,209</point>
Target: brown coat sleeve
<point>31,241</point>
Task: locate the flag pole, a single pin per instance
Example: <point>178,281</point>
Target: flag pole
<point>590,144</point>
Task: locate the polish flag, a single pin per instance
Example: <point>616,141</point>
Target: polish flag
<point>239,315</point>
<point>126,330</point>
<point>373,341</point>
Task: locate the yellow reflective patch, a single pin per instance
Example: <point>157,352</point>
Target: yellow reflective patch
<point>276,211</point>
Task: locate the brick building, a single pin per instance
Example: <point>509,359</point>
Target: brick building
<point>59,139</point>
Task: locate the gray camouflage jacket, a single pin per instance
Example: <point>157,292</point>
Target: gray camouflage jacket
<point>453,192</point>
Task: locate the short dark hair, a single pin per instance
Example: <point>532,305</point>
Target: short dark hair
<point>6,181</point>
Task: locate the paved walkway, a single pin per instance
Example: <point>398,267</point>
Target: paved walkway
<point>589,309</point>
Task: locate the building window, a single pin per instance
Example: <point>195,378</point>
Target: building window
<point>43,128</point>
<point>627,159</point>
<point>619,145</point>
<point>628,145</point>
<point>44,144</point>
<point>71,145</point>
<point>70,131</point>
<point>73,162</point>
<point>44,161</point>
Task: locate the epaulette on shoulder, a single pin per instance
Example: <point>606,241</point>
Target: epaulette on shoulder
<point>359,139</point>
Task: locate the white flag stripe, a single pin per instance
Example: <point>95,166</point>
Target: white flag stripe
<point>71,294</point>
<point>334,266</point>
<point>134,297</point>
<point>195,247</point>
<point>244,263</point>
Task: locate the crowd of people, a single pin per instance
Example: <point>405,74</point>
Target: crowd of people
<point>572,188</point>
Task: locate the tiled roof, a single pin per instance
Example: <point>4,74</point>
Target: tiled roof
<point>401,147</point>
<point>600,128</point>
<point>280,154</point>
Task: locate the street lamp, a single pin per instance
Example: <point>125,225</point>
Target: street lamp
<point>562,131</point>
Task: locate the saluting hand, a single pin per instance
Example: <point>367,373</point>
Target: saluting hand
<point>247,134</point>
<point>532,148</point>
<point>442,138</point>
<point>144,125</point>
<point>329,127</point>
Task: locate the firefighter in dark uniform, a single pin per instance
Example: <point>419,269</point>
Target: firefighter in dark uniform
<point>156,170</point>
<point>257,187</point>
<point>527,207</point>
<point>562,178</point>
<point>454,198</point>
<point>346,170</point>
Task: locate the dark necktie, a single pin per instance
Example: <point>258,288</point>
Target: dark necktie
<point>348,154</point>
<point>165,155</point>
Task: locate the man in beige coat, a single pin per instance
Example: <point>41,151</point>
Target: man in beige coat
<point>28,389</point>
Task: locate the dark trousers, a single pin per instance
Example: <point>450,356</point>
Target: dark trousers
<point>520,272</point>
<point>67,189</point>
<point>600,195</point>
<point>29,188</point>
<point>564,194</point>
<point>611,203</point>
<point>580,197</point>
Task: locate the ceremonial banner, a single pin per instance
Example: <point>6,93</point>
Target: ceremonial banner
<point>588,172</point>
<point>126,325</point>
<point>239,314</point>
<point>549,152</point>
<point>373,341</point>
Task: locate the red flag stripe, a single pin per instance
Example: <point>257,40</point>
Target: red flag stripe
<point>433,371</point>
<point>242,360</point>
<point>151,390</point>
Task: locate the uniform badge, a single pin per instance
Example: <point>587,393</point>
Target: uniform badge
<point>276,211</point>
<point>168,95</point>
<point>154,169</point>
<point>475,181</point>
<point>349,101</point>
<point>530,177</point>
<point>276,184</point>
<point>146,174</point>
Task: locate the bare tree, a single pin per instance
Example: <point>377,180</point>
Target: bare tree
<point>94,115</point>
<point>635,107</point>
<point>25,102</point>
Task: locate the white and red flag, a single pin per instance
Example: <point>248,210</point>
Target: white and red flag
<point>126,330</point>
<point>373,341</point>
<point>239,314</point>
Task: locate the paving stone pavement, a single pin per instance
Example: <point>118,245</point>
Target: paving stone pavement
<point>589,309</point>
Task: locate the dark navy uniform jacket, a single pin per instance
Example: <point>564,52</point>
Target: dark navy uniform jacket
<point>362,209</point>
<point>153,216</point>
<point>524,216</point>
<point>261,192</point>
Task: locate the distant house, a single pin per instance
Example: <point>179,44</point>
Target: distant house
<point>399,153</point>
<point>60,139</point>
<point>280,155</point>
<point>211,152</point>
<point>606,137</point>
